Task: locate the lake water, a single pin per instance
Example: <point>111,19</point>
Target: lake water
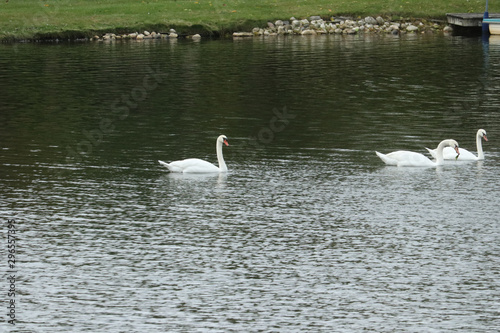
<point>308,231</point>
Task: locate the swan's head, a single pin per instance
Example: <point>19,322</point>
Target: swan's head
<point>453,144</point>
<point>223,139</point>
<point>482,134</point>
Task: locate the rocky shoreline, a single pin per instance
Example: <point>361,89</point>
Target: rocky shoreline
<point>172,34</point>
<point>313,25</point>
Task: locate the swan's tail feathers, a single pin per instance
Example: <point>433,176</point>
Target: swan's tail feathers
<point>386,159</point>
<point>163,163</point>
<point>170,167</point>
<point>431,151</point>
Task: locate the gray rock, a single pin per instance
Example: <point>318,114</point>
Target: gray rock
<point>315,18</point>
<point>380,20</point>
<point>316,24</point>
<point>278,23</point>
<point>370,20</point>
<point>308,32</point>
<point>411,28</point>
<point>350,23</point>
<point>242,34</point>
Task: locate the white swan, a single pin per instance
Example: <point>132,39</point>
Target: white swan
<point>409,158</point>
<point>465,155</point>
<point>195,165</point>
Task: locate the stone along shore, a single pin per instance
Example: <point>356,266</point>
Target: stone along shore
<point>315,25</point>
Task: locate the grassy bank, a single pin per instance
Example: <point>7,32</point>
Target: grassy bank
<point>32,19</point>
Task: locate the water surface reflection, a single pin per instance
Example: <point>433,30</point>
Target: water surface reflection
<point>307,231</point>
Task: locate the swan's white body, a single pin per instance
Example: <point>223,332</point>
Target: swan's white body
<point>195,165</point>
<point>408,158</point>
<point>465,155</point>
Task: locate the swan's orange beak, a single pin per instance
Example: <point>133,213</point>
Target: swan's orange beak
<point>485,138</point>
<point>458,151</point>
<point>225,142</point>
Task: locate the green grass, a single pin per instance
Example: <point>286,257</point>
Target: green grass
<point>24,19</point>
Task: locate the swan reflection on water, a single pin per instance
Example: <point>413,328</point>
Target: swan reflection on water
<point>196,180</point>
<point>187,177</point>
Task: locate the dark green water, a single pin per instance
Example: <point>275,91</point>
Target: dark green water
<point>309,230</point>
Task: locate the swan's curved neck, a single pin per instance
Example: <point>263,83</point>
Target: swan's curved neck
<point>220,158</point>
<point>439,152</point>
<point>479,146</point>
